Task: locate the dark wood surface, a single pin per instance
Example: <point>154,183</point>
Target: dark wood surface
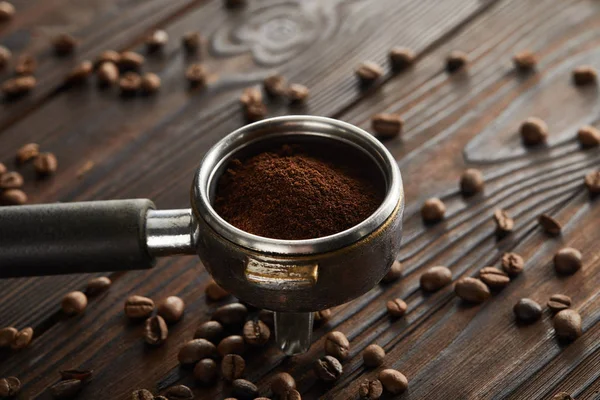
<point>150,147</point>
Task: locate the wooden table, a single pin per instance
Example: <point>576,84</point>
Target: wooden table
<point>150,147</point>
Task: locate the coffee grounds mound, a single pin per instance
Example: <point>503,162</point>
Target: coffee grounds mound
<point>297,192</point>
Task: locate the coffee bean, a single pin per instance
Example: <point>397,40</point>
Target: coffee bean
<point>67,389</point>
<point>251,95</point>
<point>179,392</point>
<point>387,125</point>
<point>456,61</point>
<point>584,75</point>
<point>559,302</point>
<point>322,316</point>
<point>18,86</point>
<point>549,225</point>
<point>74,303</point>
<point>504,223</point>
<point>494,278</point>
<point>156,40</point>
<point>22,338</point>
<point>109,56</point>
<point>196,350</point>
<point>196,74</point>
<point>97,285</point>
<point>155,331</point>
<point>7,11</point>
<point>130,61</point>
<point>527,310</point>
<point>215,292</point>
<point>107,74</point>
<point>150,83</point>
<point>275,85</point>
<point>567,261</point>
<point>373,356</point>
<point>435,278</point>
<point>233,344</point>
<point>396,308</point>
<point>471,182</point>
<point>171,309</point>
<point>471,290</point>
<point>255,112</point>
<point>79,73</point>
<point>7,336</point>
<point>592,182</point>
<point>328,369</point>
<point>244,389</point>
<point>26,65</point>
<point>291,395</point>
<point>5,56</point>
<point>562,396</point>
<point>297,93</point>
<point>433,210</point>
<point>142,394</point>
<point>394,273</point>
<point>130,83</point>
<point>232,367</point>
<point>10,386</point>
<point>11,180</point>
<point>525,61</point>
<point>401,58</point>
<point>282,383</point>
<point>233,314</point>
<point>588,136</point>
<point>368,72</point>
<point>370,389</point>
<point>191,42</point>
<point>211,330</point>
<point>337,345</point>
<point>27,152</point>
<point>533,131</point>
<point>256,333</point>
<point>393,381</point>
<point>138,307</point>
<point>64,44</point>
<point>13,197</point>
<point>205,371</point>
<point>512,263</point>
<point>79,374</point>
<point>268,317</point>
<point>567,324</point>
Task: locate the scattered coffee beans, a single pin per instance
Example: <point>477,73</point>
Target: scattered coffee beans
<point>10,386</point>
<point>291,395</point>
<point>171,309</point>
<point>456,61</point>
<point>12,197</point>
<point>275,85</point>
<point>559,302</point>
<point>18,86</point>
<point>297,93</point>
<point>98,285</point>
<point>196,74</point>
<point>179,392</point>
<point>66,389</point>
<point>150,83</point>
<point>130,61</point>
<point>567,261</point>
<point>196,350</point>
<point>191,42</point>
<point>255,112</point>
<point>22,339</point>
<point>282,383</point>
<point>525,61</point>
<point>368,72</point>
<point>256,333</point>
<point>472,290</point>
<point>433,210</point>
<point>11,180</point>
<point>337,345</point>
<point>233,344</point>
<point>107,74</point>
<point>5,56</point>
<point>585,75</point>
<point>251,95</point>
<point>527,310</point>
<point>205,371</point>
<point>562,396</point>
<point>64,44</point>
<point>533,131</point>
<point>80,73</point>
<point>130,83</point>
<point>396,308</point>
<point>373,356</point>
<point>215,292</point>
<point>401,58</point>
<point>232,367</point>
<point>138,307</point>
<point>156,40</point>
<point>7,336</point>
<point>387,125</point>
<point>435,278</point>
<point>328,369</point>
<point>494,278</point>
<point>233,314</point>
<point>512,263</point>
<point>567,324</point>
<point>549,225</point>
<point>108,56</point>
<point>7,11</point>
<point>244,389</point>
<point>393,381</point>
<point>588,136</point>
<point>322,316</point>
<point>142,394</point>
<point>394,273</point>
<point>45,164</point>
<point>82,375</point>
<point>27,152</point>
<point>25,65</point>
<point>504,223</point>
<point>370,389</point>
<point>211,330</point>
<point>471,182</point>
<point>74,303</point>
<point>592,182</point>
<point>155,331</point>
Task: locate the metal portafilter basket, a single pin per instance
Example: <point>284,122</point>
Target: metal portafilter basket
<point>294,278</point>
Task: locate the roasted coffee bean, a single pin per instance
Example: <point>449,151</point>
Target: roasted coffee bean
<point>549,225</point>
<point>369,72</point>
<point>3,169</point>
<point>585,75</point>
<point>291,395</point>
<point>494,278</point>
<point>131,61</point>
<point>179,392</point>
<point>282,383</point>
<point>559,302</point>
<point>251,95</point>
<point>67,389</point>
<point>26,65</point>
<point>567,261</point>
<point>18,86</point>
<point>525,60</point>
<point>7,336</point>
<point>393,381</point>
<point>370,389</point>
<point>45,164</point>
<point>562,396</point>
<point>592,182</point>
<point>110,56</point>
<point>268,317</point>
<point>79,374</point>
<point>74,303</point>
<point>512,264</point>
<point>196,74</point>
<point>64,44</point>
<point>337,345</point>
<point>471,182</point>
<point>527,310</point>
<point>275,85</point>
<point>373,356</point>
<point>233,314</point>
<point>215,292</point>
<point>155,331</point>
<point>138,307</point>
<point>150,83</point>
<point>504,223</point>
<point>588,136</point>
<point>27,152</point>
<point>130,83</point>
<point>13,197</point>
<point>255,112</point>
<point>567,324</point>
<point>322,316</point>
<point>396,308</point>
<point>22,338</point>
<point>394,273</point>
<point>456,61</point>
<point>433,210</point>
<point>435,278</point>
<point>196,350</point>
<point>211,330</point>
<point>205,371</point>
<point>233,344</point>
<point>256,333</point>
<point>232,367</point>
<point>98,285</point>
<point>171,309</point>
<point>297,93</point>
<point>142,394</point>
<point>80,73</point>
<point>10,386</point>
<point>191,42</point>
<point>533,131</point>
<point>328,369</point>
<point>156,40</point>
<point>7,11</point>
<point>5,56</point>
<point>11,180</point>
<point>471,290</point>
<point>107,74</point>
<point>387,125</point>
<point>244,389</point>
<point>401,58</point>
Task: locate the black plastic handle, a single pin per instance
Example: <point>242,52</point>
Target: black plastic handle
<point>66,238</point>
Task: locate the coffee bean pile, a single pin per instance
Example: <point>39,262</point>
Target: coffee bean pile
<point>169,311</point>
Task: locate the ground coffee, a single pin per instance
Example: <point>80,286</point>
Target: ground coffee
<point>299,191</point>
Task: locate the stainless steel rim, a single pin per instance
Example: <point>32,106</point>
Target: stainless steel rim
<point>296,125</point>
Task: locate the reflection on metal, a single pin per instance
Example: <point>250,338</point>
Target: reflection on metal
<point>280,276</point>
